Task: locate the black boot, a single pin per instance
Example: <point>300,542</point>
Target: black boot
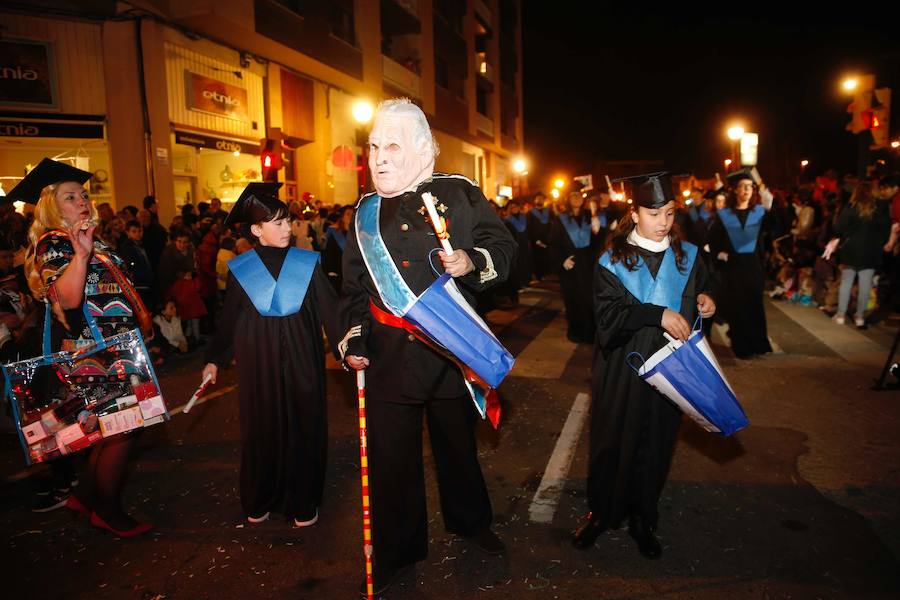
<point>645,536</point>
<point>585,536</point>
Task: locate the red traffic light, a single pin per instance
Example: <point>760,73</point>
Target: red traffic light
<point>270,154</point>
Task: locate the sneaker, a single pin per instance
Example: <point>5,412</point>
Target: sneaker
<point>52,501</point>
<point>860,323</point>
<point>308,523</point>
<point>839,319</point>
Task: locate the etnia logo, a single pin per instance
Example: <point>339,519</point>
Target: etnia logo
<point>221,98</point>
<point>18,72</point>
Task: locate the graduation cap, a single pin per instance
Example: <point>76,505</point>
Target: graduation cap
<point>256,203</point>
<point>651,190</point>
<point>46,173</point>
<point>739,175</point>
<point>711,194</point>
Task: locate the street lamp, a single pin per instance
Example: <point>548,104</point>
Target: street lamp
<point>895,144</point>
<point>363,111</point>
<point>735,132</point>
<point>850,84</point>
<point>519,165</point>
<point>803,163</point>
<point>559,183</point>
<point>555,193</point>
<point>727,163</point>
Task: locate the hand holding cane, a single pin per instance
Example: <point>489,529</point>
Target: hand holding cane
<point>364,477</point>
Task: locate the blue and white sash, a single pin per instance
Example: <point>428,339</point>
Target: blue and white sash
<point>338,236</point>
<point>743,238</point>
<point>275,298</point>
<point>518,222</point>
<point>580,234</point>
<point>666,289</point>
<point>541,214</point>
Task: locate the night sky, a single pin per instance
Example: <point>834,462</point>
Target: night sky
<point>614,84</point>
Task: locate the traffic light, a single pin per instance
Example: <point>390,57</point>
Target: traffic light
<point>881,118</point>
<point>270,158</point>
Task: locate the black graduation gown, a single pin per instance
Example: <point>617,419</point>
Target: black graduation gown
<point>281,393</point>
<point>742,282</point>
<point>575,283</point>
<point>540,252</point>
<point>332,256</point>
<point>520,276</point>
<point>633,427</point>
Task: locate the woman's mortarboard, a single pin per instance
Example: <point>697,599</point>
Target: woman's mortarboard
<point>651,190</point>
<point>48,172</point>
<point>734,178</point>
<point>255,195</point>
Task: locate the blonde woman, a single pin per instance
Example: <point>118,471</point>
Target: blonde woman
<point>67,267</point>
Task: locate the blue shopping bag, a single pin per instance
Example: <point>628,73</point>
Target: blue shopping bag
<point>443,314</point>
<point>688,374</point>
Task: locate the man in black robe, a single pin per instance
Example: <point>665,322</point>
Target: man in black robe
<point>539,219</point>
<point>405,379</point>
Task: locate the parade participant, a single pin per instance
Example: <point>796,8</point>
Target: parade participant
<point>67,267</point>
<point>539,233</point>
<point>648,282</point>
<point>276,301</point>
<point>335,240</point>
<point>736,244</point>
<point>574,239</point>
<point>517,223</point>
<point>406,379</point>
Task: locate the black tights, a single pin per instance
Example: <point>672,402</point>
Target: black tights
<point>104,479</point>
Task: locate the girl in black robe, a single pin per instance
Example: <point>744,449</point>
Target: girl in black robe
<point>280,362</point>
<point>633,427</point>
<point>574,240</point>
<point>736,242</point>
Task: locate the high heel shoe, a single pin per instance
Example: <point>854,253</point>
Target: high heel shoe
<point>138,529</point>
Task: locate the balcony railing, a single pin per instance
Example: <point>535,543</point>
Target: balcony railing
<point>400,77</point>
<point>484,124</point>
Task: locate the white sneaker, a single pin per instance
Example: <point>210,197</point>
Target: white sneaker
<point>312,521</point>
<point>261,519</point>
<point>840,319</point>
<point>860,322</point>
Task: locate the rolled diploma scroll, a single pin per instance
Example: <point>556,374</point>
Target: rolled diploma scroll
<point>200,390</point>
<point>437,222</point>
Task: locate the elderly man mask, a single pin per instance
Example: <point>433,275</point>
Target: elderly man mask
<point>401,152</point>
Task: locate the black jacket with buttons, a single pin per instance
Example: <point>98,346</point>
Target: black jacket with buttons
<point>395,358</point>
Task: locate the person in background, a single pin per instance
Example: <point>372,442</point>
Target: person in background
<point>206,255</point>
<point>539,218</point>
<point>335,240</point>
<point>178,256</point>
<point>169,324</point>
<point>225,254</point>
<point>185,291</point>
<point>131,250</point>
<point>864,227</point>
<point>154,238</point>
<point>215,211</point>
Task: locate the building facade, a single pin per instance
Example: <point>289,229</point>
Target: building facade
<point>174,98</point>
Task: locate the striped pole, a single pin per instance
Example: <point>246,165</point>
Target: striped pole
<point>364,476</point>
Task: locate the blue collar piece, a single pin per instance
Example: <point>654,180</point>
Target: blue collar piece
<point>666,289</point>
<point>517,221</point>
<point>743,238</point>
<point>580,234</point>
<point>338,236</point>
<point>270,297</point>
<point>541,214</point>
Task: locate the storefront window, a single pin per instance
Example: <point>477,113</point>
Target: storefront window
<point>204,171</point>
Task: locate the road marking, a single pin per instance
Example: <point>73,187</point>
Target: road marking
<point>546,356</point>
<point>845,341</point>
<point>543,505</point>
<point>22,474</point>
